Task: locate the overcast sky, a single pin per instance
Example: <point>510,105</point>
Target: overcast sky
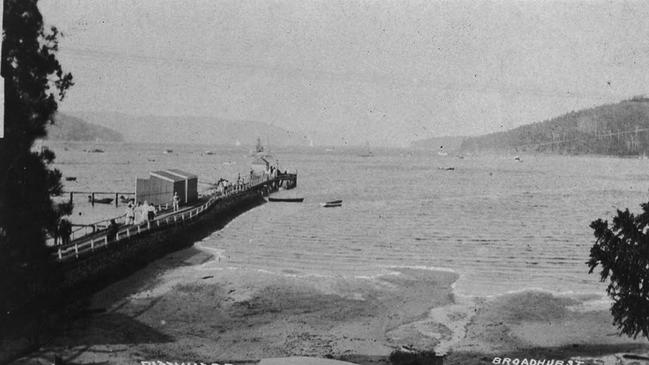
<point>386,72</point>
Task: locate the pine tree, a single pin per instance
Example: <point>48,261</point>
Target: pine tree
<point>622,251</point>
<point>34,82</point>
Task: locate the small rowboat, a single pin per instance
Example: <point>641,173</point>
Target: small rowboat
<point>286,200</point>
<point>70,178</point>
<point>101,201</point>
<point>332,204</point>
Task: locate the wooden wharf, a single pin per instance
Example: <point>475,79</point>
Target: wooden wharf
<point>105,249</point>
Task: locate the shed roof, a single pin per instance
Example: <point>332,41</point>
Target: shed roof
<point>182,174</point>
<point>165,175</point>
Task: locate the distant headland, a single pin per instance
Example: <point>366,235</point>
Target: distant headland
<point>620,129</point>
<point>69,128</point>
<point>211,130</point>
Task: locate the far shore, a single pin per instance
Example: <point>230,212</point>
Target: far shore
<point>190,306</point>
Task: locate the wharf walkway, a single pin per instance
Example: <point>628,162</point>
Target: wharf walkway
<point>91,242</point>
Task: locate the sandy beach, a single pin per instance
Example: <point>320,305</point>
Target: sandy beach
<point>190,306</point>
<point>201,310</point>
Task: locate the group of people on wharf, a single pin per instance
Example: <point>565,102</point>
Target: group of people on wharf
<point>142,212</point>
<point>63,231</point>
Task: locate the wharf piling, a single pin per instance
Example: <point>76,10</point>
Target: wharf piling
<point>92,194</point>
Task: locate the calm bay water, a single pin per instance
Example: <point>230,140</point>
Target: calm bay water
<point>503,225</point>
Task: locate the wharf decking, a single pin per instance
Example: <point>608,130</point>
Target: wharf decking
<point>92,243</point>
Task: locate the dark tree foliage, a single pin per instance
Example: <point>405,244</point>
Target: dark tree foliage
<point>622,251</point>
<point>33,82</point>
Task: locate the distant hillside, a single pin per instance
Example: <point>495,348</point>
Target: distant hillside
<point>199,130</point>
<point>616,129</point>
<point>69,128</point>
<point>449,144</point>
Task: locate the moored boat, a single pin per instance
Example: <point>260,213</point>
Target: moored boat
<point>286,200</point>
<point>100,200</point>
<point>126,200</point>
<point>332,204</point>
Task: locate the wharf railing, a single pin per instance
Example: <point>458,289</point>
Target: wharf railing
<point>100,239</point>
<point>88,229</point>
<point>82,230</point>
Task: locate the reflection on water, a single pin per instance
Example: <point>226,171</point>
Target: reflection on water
<point>503,225</point>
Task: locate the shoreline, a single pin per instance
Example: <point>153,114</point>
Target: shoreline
<point>200,310</point>
<point>190,306</point>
